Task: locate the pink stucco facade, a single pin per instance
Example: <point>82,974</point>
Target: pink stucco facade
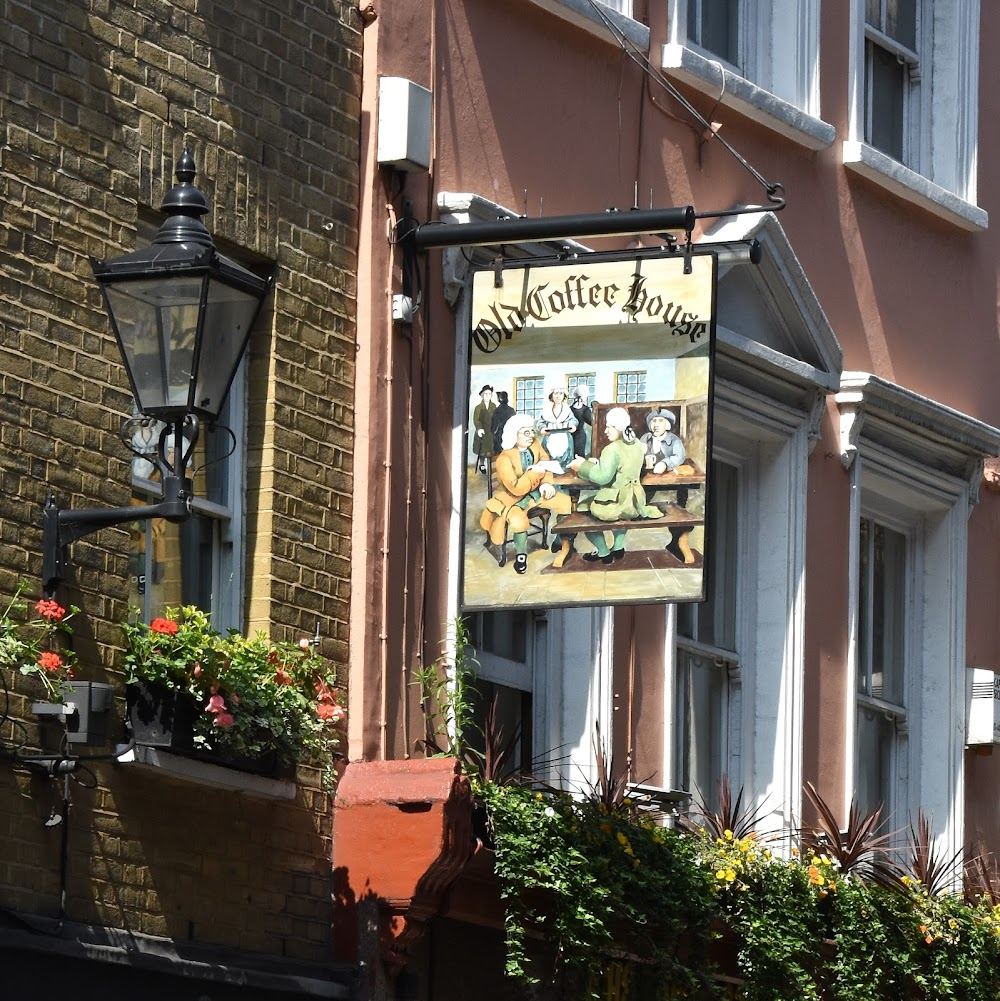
<point>537,108</point>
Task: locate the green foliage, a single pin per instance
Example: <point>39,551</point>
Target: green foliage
<point>585,886</point>
<point>255,696</point>
<point>772,905</point>
<point>38,647</point>
<point>597,884</point>
<point>447,689</point>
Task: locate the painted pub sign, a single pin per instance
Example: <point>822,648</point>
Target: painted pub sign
<point>589,433</point>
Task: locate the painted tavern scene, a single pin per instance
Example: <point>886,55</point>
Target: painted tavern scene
<point>588,432</point>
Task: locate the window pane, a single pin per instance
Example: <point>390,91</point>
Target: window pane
<point>701,714</point>
<point>864,608</point>
<point>717,616</point>
<point>503,634</point>
<point>630,387</point>
<point>874,778</point>
<point>719,28</point>
<point>714,620</point>
<point>888,601</point>
<point>881,625</point>
<point>588,379</point>
<point>901,21</point>
<point>873,13</point>
<point>529,395</point>
<point>885,85</point>
<point>510,735</point>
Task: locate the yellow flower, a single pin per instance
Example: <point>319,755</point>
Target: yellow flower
<point>727,834</point>
<point>622,840</point>
<point>815,877</point>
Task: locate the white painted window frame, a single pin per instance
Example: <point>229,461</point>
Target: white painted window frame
<point>778,85</point>
<point>942,147</point>
<point>729,749</point>
<point>917,466</point>
<point>896,804</point>
<point>770,441</point>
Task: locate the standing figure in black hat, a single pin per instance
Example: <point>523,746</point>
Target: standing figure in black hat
<point>482,424</point>
<point>504,412</point>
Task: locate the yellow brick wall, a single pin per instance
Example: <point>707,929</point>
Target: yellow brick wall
<point>97,99</point>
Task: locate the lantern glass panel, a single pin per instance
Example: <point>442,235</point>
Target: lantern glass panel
<point>229,315</point>
<point>156,321</point>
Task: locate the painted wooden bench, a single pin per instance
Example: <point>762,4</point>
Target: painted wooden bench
<point>679,520</point>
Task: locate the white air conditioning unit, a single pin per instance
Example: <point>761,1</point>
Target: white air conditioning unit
<point>984,707</point>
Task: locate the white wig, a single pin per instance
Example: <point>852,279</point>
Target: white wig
<point>514,424</point>
<point>617,417</point>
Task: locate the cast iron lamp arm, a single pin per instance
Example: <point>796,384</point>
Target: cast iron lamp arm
<point>63,526</point>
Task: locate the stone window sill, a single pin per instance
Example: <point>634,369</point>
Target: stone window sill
<point>860,158</point>
<point>582,14</point>
<point>712,77</point>
<point>186,769</point>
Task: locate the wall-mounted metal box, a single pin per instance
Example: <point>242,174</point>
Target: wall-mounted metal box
<point>984,707</point>
<point>404,124</point>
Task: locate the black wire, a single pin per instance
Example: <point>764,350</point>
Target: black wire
<point>15,744</point>
<point>641,60</point>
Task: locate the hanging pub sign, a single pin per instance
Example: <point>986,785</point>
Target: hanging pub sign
<point>589,433</point>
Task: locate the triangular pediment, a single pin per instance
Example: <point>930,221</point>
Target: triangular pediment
<point>768,316</point>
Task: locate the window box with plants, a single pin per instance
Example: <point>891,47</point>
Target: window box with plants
<point>244,702</point>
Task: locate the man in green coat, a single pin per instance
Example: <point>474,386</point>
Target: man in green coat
<point>621,497</point>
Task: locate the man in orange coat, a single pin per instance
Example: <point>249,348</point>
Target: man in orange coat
<point>523,484</point>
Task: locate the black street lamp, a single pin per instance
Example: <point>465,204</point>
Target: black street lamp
<point>182,314</point>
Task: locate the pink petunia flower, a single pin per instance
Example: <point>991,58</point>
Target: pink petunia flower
<point>216,704</point>
<point>223,720</point>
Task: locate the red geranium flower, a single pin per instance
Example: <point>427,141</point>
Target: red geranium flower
<point>50,661</point>
<point>166,626</point>
<point>51,610</point>
<point>330,710</point>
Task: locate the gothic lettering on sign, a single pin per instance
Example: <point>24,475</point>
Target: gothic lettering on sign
<point>545,302</point>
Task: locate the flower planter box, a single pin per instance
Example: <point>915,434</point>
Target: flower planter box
<point>161,717</point>
<point>164,718</point>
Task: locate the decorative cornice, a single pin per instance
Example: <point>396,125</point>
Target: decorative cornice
<point>918,430</point>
